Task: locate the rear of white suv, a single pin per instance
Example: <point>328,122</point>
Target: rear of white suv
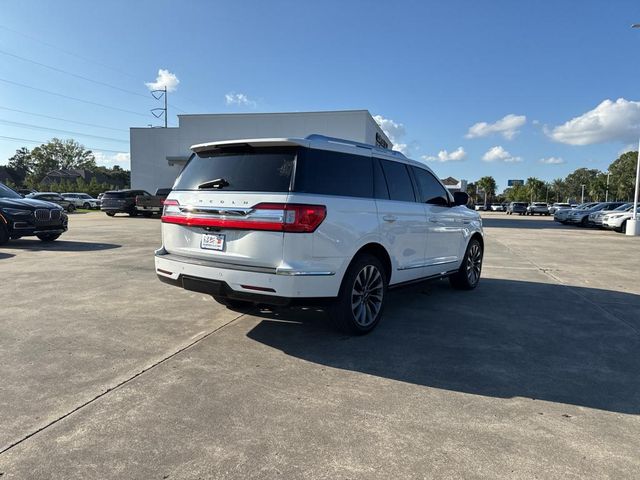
<point>272,221</point>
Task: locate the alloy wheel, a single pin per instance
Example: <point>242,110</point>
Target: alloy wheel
<point>366,295</point>
<point>474,263</point>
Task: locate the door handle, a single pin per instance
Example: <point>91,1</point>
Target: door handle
<point>433,220</point>
<point>390,218</point>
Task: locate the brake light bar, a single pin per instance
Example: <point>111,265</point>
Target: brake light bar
<point>276,217</point>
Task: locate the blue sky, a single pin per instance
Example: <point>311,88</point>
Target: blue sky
<point>430,70</point>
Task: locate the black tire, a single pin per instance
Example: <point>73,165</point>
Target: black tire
<point>133,213</point>
<point>86,206</point>
<point>110,214</point>
<point>4,235</point>
<point>48,237</point>
<point>147,214</point>
<point>71,208</point>
<point>232,303</point>
<point>468,275</point>
<point>584,222</point>
<point>364,283</point>
<point>623,227</point>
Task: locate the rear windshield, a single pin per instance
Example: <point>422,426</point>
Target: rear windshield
<point>241,170</point>
<point>121,194</point>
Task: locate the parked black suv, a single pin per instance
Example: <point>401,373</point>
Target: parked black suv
<point>121,201</point>
<point>22,217</point>
<point>53,197</point>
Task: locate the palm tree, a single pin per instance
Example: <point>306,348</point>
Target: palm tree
<point>488,184</point>
<point>559,188</point>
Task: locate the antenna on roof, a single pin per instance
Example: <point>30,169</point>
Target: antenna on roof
<point>159,112</point>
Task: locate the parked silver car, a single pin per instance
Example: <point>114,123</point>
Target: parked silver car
<point>562,215</point>
<point>82,200</point>
<point>581,216</point>
<point>538,208</point>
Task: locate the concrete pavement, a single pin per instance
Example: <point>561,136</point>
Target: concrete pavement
<point>109,374</point>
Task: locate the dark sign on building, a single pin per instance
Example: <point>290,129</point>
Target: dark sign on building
<point>381,142</point>
<point>513,183</point>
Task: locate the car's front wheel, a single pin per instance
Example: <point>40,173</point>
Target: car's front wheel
<point>468,275</point>
<point>4,235</point>
<point>110,214</point>
<point>48,237</point>
<point>360,303</point>
<point>86,206</point>
<point>71,208</point>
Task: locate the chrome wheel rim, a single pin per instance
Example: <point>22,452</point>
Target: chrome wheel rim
<point>366,295</point>
<point>474,263</point>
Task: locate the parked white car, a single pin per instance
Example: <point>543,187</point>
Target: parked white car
<point>497,207</point>
<point>618,220</point>
<point>558,206</point>
<point>596,218</point>
<point>314,221</point>
<point>82,200</point>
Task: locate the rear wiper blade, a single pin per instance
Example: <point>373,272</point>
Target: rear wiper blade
<point>217,183</point>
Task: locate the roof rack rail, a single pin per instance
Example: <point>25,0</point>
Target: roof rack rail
<point>343,141</point>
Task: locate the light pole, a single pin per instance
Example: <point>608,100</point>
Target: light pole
<point>606,195</point>
<point>582,200</point>
<point>633,227</point>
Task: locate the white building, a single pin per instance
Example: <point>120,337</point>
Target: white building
<point>158,154</point>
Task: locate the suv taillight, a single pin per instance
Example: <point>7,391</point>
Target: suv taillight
<point>276,217</point>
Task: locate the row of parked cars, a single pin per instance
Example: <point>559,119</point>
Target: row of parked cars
<point>69,201</point>
<point>134,202</point>
<point>609,215</point>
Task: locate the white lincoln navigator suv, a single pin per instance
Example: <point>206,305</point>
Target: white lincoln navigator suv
<point>313,220</point>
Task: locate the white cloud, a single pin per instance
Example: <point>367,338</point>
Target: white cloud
<point>122,159</point>
<point>507,127</point>
<point>395,131</point>
<point>233,98</point>
<point>610,121</point>
<point>443,156</point>
<point>164,79</point>
<point>499,154</point>
<point>552,160</point>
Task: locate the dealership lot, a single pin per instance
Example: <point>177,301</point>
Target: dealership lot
<point>109,373</point>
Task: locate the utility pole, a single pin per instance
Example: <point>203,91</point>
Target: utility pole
<point>159,112</point>
<point>582,201</point>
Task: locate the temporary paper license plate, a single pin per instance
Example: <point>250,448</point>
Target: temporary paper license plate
<point>212,241</point>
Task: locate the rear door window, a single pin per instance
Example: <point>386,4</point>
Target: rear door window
<point>334,173</point>
<point>398,181</point>
<point>239,169</point>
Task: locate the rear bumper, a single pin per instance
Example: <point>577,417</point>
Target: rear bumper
<point>258,285</point>
<point>144,208</point>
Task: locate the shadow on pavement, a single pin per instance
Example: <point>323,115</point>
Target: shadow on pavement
<point>524,222</point>
<point>6,255</point>
<point>58,245</point>
<point>505,339</point>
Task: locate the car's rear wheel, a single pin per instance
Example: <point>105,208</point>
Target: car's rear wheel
<point>48,237</point>
<point>584,222</point>
<point>110,214</point>
<point>468,275</point>
<point>360,303</point>
<point>4,235</point>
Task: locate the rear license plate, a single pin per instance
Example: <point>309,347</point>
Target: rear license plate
<point>212,241</point>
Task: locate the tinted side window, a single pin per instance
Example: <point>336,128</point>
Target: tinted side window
<point>333,173</point>
<point>380,189</point>
<point>430,189</point>
<point>398,181</point>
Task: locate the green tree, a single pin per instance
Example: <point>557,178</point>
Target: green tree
<point>623,176</point>
<point>575,180</point>
<point>535,188</point>
<point>488,186</point>
<point>517,193</point>
<point>60,154</point>
<point>21,164</point>
<point>559,187</point>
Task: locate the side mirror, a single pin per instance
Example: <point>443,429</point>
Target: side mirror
<point>460,198</point>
